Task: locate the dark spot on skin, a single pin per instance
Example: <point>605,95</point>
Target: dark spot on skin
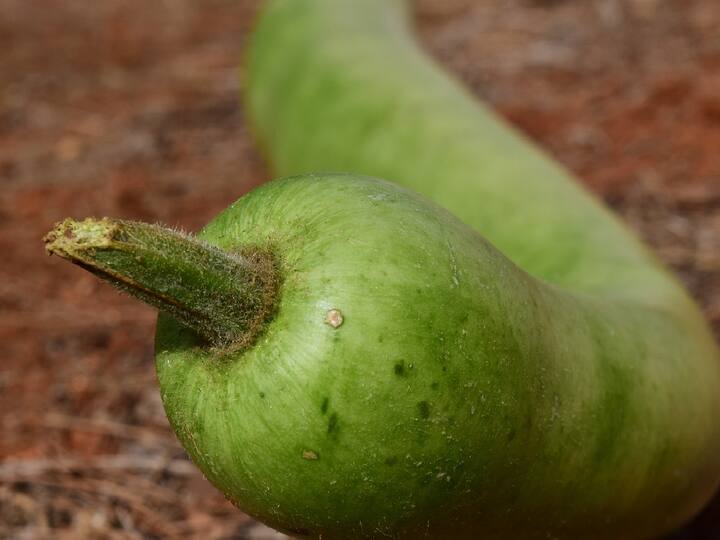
<point>434,386</point>
<point>421,438</point>
<point>511,435</point>
<point>380,339</point>
<point>392,460</point>
<point>325,405</point>
<point>332,423</point>
<point>424,409</point>
<point>444,368</point>
<point>262,395</point>
<point>399,369</point>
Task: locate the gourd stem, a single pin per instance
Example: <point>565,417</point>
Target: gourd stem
<point>224,297</point>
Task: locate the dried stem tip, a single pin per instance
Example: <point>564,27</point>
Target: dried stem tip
<point>225,297</point>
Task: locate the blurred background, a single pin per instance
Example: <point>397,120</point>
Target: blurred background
<point>130,109</point>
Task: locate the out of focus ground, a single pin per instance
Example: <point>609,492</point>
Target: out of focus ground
<point>130,109</point>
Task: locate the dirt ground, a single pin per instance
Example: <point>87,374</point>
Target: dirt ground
<point>130,109</point>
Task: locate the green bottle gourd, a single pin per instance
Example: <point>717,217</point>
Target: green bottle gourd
<point>376,368</point>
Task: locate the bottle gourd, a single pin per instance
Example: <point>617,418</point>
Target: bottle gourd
<point>475,348</point>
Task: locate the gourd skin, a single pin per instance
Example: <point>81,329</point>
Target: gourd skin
<point>340,85</point>
<point>461,397</point>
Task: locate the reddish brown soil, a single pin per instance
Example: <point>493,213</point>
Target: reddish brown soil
<point>131,109</point>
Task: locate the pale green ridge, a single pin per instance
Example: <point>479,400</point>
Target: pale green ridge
<point>341,85</point>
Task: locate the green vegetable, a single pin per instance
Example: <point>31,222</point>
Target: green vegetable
<point>345,359</point>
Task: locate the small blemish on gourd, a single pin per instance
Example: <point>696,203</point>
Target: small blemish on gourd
<point>262,395</point>
<point>399,369</point>
<point>332,423</point>
<point>334,318</point>
<point>434,386</point>
<point>310,455</point>
<point>424,409</point>
<point>390,461</point>
<point>324,405</point>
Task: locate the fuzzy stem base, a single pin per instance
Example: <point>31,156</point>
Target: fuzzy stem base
<point>225,297</point>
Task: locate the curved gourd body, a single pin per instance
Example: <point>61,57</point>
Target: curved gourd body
<point>552,381</point>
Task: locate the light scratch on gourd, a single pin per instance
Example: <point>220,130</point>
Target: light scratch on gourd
<point>453,265</point>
